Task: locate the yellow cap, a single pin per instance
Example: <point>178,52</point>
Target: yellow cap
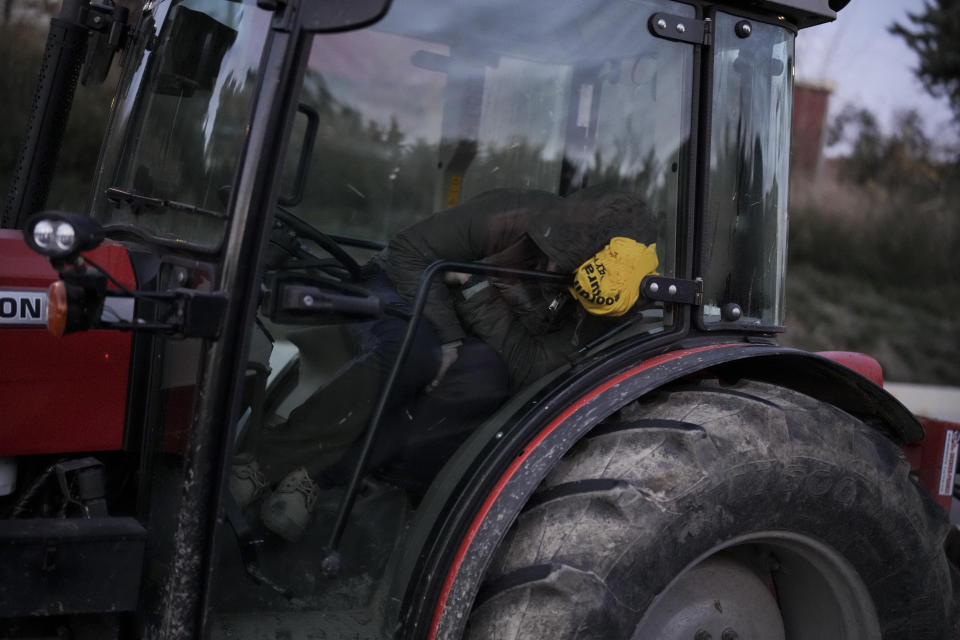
<point>608,284</point>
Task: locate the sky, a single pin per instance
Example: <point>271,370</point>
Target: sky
<point>868,66</point>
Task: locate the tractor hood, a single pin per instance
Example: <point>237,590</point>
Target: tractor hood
<point>42,376</point>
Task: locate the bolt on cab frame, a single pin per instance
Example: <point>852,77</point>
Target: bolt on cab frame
<point>261,156</point>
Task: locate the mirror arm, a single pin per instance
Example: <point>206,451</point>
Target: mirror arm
<point>306,154</point>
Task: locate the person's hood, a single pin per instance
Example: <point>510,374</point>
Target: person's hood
<point>570,230</point>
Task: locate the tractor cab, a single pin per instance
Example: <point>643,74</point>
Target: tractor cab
<point>391,261</point>
<point>676,113</point>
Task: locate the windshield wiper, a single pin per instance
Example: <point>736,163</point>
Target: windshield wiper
<point>138,200</point>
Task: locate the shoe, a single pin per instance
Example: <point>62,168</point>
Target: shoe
<point>287,511</point>
<point>247,483</point>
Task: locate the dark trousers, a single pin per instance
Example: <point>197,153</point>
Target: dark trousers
<point>324,434</point>
<point>424,431</point>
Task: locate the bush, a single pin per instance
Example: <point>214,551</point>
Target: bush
<point>873,252</point>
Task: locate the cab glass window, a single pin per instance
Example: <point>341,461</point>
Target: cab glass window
<point>744,245</point>
<point>180,121</point>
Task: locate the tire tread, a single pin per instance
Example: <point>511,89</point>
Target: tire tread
<point>679,452</point>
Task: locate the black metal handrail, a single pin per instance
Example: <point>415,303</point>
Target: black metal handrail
<point>331,560</point>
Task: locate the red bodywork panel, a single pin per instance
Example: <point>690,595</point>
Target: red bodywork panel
<point>60,395</point>
<point>861,363</point>
<point>934,459</point>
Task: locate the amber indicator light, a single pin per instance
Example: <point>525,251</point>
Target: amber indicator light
<point>57,308</point>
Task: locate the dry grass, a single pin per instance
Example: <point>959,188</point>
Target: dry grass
<point>875,270</point>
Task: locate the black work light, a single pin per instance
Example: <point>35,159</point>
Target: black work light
<point>60,235</point>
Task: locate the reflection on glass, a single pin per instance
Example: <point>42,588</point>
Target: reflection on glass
<point>175,143</point>
<point>424,112</point>
<point>746,223</point>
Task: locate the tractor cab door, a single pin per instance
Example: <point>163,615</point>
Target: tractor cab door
<point>517,136</point>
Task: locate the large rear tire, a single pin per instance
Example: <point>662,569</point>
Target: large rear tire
<point>724,512</point>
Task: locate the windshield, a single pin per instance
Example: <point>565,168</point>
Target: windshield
<point>437,105</point>
<point>180,120</point>
<point>744,245</point>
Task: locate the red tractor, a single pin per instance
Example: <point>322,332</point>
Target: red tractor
<point>440,320</point>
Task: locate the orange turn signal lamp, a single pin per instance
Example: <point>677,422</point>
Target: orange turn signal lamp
<point>57,308</point>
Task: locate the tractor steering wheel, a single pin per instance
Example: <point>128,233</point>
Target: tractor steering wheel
<point>328,244</point>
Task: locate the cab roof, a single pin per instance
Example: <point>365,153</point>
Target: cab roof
<point>803,13</point>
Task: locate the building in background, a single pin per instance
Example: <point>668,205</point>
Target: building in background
<point>811,101</point>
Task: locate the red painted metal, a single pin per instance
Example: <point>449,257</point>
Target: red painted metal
<point>934,459</point>
<point>60,395</point>
<point>861,363</point>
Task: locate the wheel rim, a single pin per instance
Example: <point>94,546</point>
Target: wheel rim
<point>772,585</point>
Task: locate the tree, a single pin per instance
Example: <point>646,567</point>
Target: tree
<point>933,34</point>
<point>858,127</point>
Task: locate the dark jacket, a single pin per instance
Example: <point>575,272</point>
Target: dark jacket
<point>532,327</point>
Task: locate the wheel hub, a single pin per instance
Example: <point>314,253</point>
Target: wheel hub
<point>718,599</point>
